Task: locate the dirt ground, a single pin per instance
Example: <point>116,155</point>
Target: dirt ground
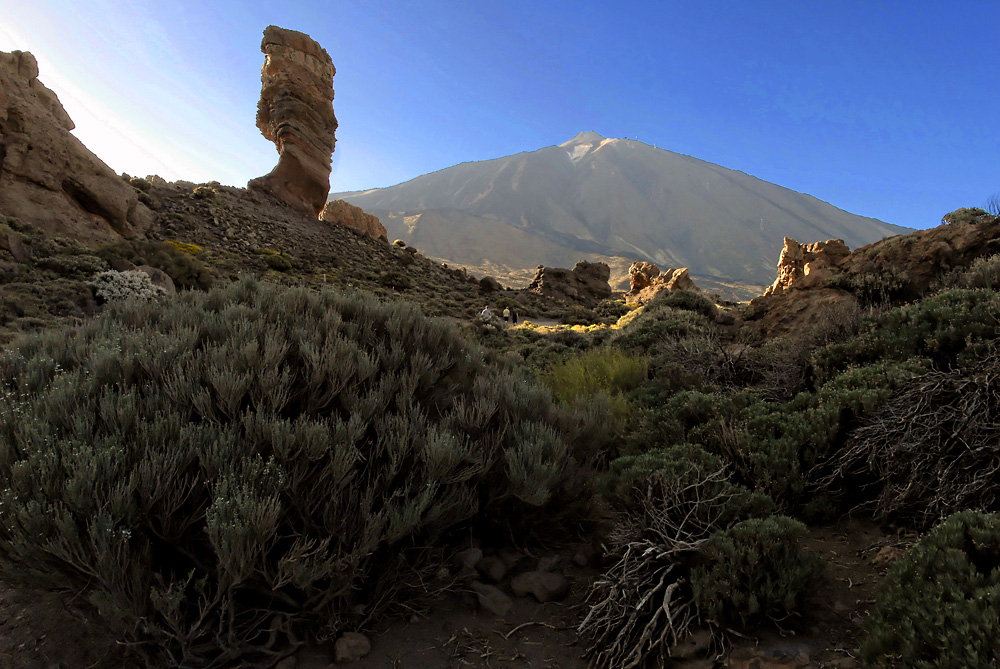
<point>43,631</point>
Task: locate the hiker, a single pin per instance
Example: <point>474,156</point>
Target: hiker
<point>506,315</point>
<point>486,313</point>
<point>514,317</point>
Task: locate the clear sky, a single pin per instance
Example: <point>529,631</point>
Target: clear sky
<point>883,108</point>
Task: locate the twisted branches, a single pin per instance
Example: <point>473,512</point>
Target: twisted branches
<point>931,450</point>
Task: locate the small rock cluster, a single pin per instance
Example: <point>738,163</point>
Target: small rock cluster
<point>492,576</point>
<point>646,281</point>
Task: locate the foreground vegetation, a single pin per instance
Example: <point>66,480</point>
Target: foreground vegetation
<point>221,474</point>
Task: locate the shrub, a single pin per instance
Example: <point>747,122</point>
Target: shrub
<point>612,309</point>
<point>279,262</point>
<point>395,280</point>
<point>225,472</point>
<point>141,184</point>
<point>604,370</point>
<point>579,315</point>
<point>80,267</point>
<point>175,258</point>
<point>643,605</point>
<point>966,215</point>
<point>946,328</point>
<point>983,273</point>
<point>204,193</point>
<point>113,286</point>
<point>642,333</point>
<point>688,300</point>
<point>931,450</point>
<point>937,607</point>
<point>753,572</point>
<point>687,481</point>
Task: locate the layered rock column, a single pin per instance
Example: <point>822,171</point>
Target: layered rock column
<point>296,113</point>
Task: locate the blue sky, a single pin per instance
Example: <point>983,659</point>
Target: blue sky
<point>885,109</point>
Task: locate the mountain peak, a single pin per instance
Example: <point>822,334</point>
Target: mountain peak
<point>587,137</point>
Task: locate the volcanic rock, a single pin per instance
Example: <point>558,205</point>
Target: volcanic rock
<point>646,281</point>
<point>586,283</point>
<point>338,211</point>
<point>545,586</point>
<point>819,286</point>
<point>48,178</point>
<point>817,261</point>
<point>296,113</point>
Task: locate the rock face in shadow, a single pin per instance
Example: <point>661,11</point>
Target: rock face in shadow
<point>586,283</point>
<point>296,113</point>
<point>646,281</point>
<point>48,178</point>
<point>338,211</point>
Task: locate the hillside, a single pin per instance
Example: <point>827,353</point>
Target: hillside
<point>611,199</point>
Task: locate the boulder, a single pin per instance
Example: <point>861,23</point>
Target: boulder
<point>646,281</point>
<point>344,213</point>
<point>492,598</point>
<point>586,283</point>
<point>48,178</point>
<point>545,586</point>
<point>351,647</point>
<point>296,113</point>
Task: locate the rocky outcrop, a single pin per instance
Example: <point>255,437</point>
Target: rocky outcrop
<point>646,281</point>
<point>296,113</point>
<point>811,264</point>
<point>586,283</point>
<point>347,214</point>
<point>823,285</point>
<point>48,178</point>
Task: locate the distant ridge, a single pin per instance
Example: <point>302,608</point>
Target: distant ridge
<point>614,199</point>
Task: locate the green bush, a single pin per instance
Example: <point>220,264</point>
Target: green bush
<point>177,259</point>
<point>611,309</point>
<point>579,315</point>
<point>395,280</point>
<point>601,370</point>
<point>753,572</point>
<point>938,605</point>
<point>966,215</point>
<point>223,473</point>
<point>983,273</point>
<point>947,328</point>
<point>685,480</point>
<point>279,262</point>
<point>687,300</point>
<point>650,328</point>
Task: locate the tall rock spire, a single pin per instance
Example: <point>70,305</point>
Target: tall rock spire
<point>296,113</point>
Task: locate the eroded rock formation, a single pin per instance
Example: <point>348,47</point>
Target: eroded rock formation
<point>347,214</point>
<point>48,178</point>
<point>586,283</point>
<point>817,261</point>
<point>823,285</point>
<point>296,113</point>
<point>646,281</point>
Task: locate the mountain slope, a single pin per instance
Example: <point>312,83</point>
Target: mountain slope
<point>597,197</point>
